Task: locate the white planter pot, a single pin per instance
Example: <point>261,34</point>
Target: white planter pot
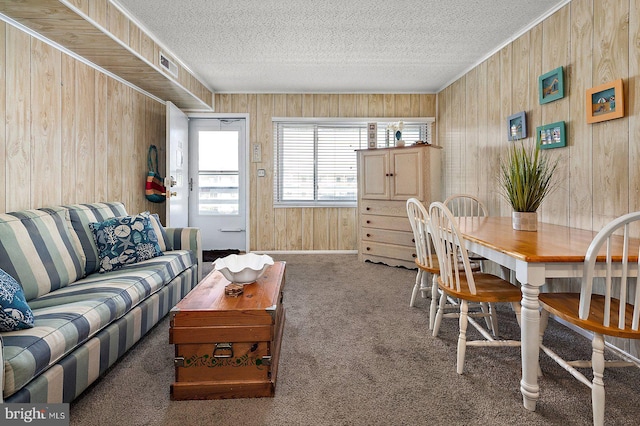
<point>525,221</point>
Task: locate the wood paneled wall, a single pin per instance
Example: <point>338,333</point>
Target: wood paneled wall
<point>596,41</point>
<point>307,228</point>
<point>69,133</point>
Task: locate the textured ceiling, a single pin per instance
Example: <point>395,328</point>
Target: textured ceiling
<point>333,46</point>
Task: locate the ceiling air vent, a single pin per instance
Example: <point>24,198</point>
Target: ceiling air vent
<point>168,65</point>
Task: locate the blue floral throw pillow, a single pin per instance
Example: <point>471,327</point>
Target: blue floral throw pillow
<point>124,241</point>
<point>15,313</point>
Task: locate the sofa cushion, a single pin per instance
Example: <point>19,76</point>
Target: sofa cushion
<point>38,249</point>
<point>127,286</point>
<point>67,317</point>
<point>81,215</point>
<point>125,240</point>
<point>15,313</point>
<point>163,239</point>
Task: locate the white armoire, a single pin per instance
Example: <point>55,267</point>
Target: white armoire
<point>387,177</point>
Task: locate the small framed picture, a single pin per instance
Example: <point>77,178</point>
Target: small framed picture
<point>372,135</point>
<point>605,102</point>
<point>551,135</point>
<point>551,85</point>
<point>517,126</point>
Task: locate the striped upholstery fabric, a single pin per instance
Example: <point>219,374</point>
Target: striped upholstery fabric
<point>163,239</point>
<point>70,316</point>
<point>187,239</point>
<point>81,215</point>
<point>38,249</point>
<point>74,373</point>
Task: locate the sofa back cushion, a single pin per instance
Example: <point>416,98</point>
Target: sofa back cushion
<point>38,249</point>
<point>83,214</point>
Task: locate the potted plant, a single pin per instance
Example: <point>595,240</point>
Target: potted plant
<point>526,178</point>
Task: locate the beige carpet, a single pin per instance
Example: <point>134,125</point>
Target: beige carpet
<point>354,353</point>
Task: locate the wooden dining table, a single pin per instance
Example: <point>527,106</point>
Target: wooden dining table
<point>553,251</point>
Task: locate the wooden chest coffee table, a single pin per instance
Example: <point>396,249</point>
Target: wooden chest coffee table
<point>225,346</point>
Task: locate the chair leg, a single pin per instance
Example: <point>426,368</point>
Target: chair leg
<point>436,325</point>
<point>434,302</point>
<point>486,310</point>
<point>425,290</point>
<point>462,337</point>
<point>597,386</point>
<point>516,309</point>
<point>416,288</point>
<point>544,322</point>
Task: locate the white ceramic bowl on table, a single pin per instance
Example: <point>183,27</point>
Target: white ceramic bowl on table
<point>243,268</point>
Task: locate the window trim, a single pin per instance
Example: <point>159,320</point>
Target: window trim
<point>356,121</point>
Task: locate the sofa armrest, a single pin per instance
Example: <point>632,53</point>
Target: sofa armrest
<point>187,239</point>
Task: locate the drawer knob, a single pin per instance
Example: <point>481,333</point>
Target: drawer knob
<point>368,235</point>
<point>368,248</point>
<point>390,174</point>
<point>368,208</point>
<point>387,174</point>
<point>413,240</point>
<point>414,255</point>
<point>368,221</point>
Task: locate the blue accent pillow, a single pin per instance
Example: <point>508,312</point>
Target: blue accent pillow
<point>125,240</point>
<point>15,313</point>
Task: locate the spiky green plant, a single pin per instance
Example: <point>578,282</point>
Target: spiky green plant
<point>526,177</point>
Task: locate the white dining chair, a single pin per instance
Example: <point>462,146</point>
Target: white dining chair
<point>616,313</point>
<point>427,263</point>
<point>425,259</point>
<point>468,205</point>
<point>465,285</point>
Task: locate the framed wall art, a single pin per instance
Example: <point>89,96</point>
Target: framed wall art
<point>517,126</point>
<point>372,139</point>
<point>605,102</point>
<point>551,135</point>
<point>551,85</point>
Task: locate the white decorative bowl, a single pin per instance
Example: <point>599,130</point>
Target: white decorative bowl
<point>243,268</point>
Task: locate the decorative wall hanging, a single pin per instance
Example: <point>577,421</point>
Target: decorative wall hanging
<point>605,102</point>
<point>551,135</point>
<point>551,85</point>
<point>517,126</point>
<point>372,135</point>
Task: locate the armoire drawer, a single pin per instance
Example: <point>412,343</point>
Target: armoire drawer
<point>392,223</point>
<point>402,238</point>
<point>388,250</point>
<point>384,208</point>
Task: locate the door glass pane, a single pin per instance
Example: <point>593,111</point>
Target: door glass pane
<point>218,173</point>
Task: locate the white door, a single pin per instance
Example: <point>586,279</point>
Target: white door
<point>177,167</point>
<point>217,205</point>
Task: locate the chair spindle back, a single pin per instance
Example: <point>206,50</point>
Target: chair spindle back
<point>608,237</point>
<point>450,248</point>
<point>419,219</point>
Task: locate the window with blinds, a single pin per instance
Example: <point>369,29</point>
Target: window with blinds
<point>315,160</point>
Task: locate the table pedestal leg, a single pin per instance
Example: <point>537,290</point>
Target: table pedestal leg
<point>530,349</point>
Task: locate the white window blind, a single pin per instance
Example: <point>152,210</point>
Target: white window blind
<point>315,159</point>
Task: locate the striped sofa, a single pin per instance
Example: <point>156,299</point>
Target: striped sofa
<point>84,320</point>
